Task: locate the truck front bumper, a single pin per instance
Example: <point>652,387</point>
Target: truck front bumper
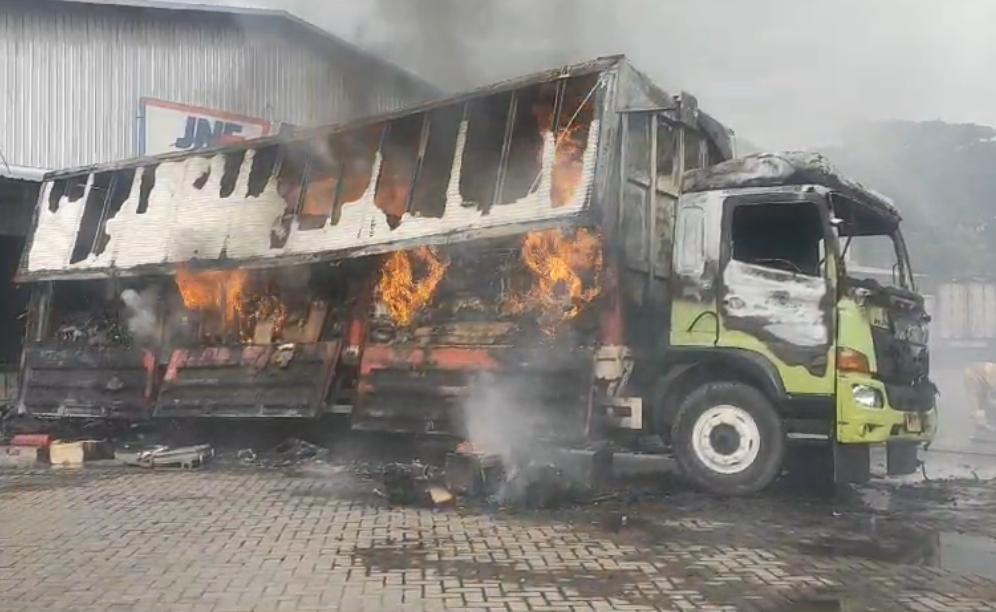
<point>867,415</point>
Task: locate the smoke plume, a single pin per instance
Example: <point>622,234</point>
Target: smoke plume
<point>500,418</point>
<point>141,315</point>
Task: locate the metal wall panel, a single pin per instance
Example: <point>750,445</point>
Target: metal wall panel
<point>71,76</point>
<point>966,311</point>
<point>952,299</point>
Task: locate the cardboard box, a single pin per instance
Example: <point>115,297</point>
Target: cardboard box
<point>74,453</point>
<point>19,456</point>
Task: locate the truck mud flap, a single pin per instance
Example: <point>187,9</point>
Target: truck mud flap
<point>88,382</point>
<point>429,389</point>
<point>248,381</point>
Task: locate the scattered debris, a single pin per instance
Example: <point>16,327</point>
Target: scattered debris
<point>35,440</point>
<point>440,496</point>
<point>472,473</point>
<point>405,483</point>
<point>20,456</point>
<point>187,457</point>
<point>296,450</point>
<point>538,485</point>
<point>74,454</point>
<point>615,521</point>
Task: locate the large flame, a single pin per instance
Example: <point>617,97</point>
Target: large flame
<point>213,291</point>
<point>566,272</point>
<point>401,293</point>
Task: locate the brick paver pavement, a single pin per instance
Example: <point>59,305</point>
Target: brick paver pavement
<point>241,539</point>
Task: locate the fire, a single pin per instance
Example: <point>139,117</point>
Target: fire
<point>567,164</point>
<point>570,133</point>
<point>213,290</point>
<point>398,288</point>
<point>560,265</point>
<point>238,302</point>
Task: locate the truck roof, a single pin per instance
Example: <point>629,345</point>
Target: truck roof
<point>785,168</point>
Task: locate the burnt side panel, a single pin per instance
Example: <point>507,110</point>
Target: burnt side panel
<point>429,199</point>
<point>120,190</point>
<point>482,150</point>
<point>92,212</point>
<point>533,118</point>
<point>145,188</point>
<point>233,164</point>
<point>290,182</point>
<point>247,381</point>
<point>323,182</point>
<point>85,382</point>
<point>263,163</point>
<point>357,150</point>
<point>400,152</point>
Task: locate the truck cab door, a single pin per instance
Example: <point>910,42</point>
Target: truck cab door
<point>694,315</point>
<point>775,293</point>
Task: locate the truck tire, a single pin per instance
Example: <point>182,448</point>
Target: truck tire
<point>728,438</point>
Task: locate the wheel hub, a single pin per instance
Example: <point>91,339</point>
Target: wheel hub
<point>726,439</point>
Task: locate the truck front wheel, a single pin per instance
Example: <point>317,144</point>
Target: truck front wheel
<point>728,438</point>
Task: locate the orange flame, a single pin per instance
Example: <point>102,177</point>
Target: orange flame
<point>568,164</point>
<point>213,291</point>
<point>398,289</point>
<point>560,266</point>
<point>570,142</point>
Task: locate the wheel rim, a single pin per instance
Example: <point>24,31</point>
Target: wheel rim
<point>726,439</point>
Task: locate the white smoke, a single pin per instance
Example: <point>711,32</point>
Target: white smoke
<point>498,419</point>
<point>141,312</point>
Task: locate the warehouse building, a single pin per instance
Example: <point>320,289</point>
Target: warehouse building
<point>90,81</point>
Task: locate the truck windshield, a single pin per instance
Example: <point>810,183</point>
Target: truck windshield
<point>872,246</point>
<point>878,257</point>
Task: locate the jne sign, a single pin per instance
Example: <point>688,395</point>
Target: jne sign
<point>168,126</point>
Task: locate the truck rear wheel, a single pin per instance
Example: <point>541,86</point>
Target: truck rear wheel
<point>728,438</point>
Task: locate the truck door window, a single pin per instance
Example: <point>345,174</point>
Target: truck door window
<point>785,237</point>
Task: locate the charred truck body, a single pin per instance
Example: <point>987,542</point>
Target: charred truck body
<point>529,249</point>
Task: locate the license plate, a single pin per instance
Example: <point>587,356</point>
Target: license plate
<point>913,423</point>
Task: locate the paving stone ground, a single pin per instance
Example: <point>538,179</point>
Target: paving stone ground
<point>236,539</point>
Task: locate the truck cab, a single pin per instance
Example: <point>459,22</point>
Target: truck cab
<point>774,341</point>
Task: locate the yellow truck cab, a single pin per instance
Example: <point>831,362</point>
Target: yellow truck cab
<point>774,342</point>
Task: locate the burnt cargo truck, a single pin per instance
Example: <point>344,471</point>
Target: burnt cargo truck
<point>574,252</point>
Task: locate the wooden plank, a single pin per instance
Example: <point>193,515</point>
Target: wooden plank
<point>312,329</point>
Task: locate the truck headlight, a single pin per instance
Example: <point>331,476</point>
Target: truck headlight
<point>866,396</point>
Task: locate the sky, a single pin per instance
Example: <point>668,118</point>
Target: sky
<point>781,73</point>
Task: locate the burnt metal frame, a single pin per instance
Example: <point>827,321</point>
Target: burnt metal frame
<point>602,67</point>
<point>655,116</point>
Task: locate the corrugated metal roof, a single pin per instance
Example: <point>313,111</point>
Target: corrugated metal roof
<point>281,14</point>
<point>72,74</point>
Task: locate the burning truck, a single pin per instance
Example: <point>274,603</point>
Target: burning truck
<point>570,255</point>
